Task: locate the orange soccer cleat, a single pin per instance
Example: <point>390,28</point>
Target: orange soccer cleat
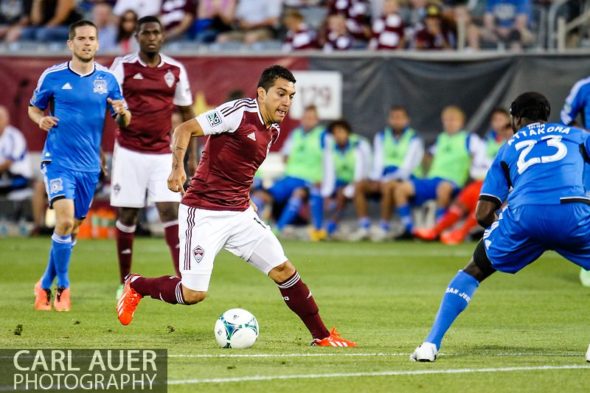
<point>333,340</point>
<point>425,234</point>
<point>128,302</point>
<point>452,238</point>
<point>42,298</point>
<point>62,300</point>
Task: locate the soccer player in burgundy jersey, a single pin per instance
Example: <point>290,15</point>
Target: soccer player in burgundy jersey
<point>216,211</point>
<point>154,86</point>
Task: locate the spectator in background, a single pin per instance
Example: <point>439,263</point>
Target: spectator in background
<point>437,33</point>
<point>256,20</point>
<point>49,20</point>
<point>15,164</point>
<point>103,18</point>
<point>13,16</point>
<point>140,7</point>
<point>213,17</point>
<point>299,36</point>
<point>177,16</point>
<point>337,38</point>
<point>388,29</point>
<point>357,18</point>
<point>127,25</point>
<point>505,24</point>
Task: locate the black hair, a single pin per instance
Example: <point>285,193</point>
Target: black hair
<point>148,19</point>
<point>531,105</point>
<point>80,23</point>
<point>339,123</point>
<point>271,74</point>
<point>121,33</point>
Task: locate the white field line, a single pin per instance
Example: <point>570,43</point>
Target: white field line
<point>353,354</point>
<point>391,373</point>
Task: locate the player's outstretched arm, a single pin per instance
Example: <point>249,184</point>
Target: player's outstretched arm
<point>44,122</point>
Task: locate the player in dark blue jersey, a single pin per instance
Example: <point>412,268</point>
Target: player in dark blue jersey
<point>539,173</point>
<point>76,95</point>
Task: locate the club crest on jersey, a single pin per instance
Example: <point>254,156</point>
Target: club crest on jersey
<point>169,78</point>
<point>198,253</point>
<point>213,119</point>
<point>55,185</point>
<point>100,86</point>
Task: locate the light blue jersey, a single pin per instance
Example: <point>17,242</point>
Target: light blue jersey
<point>543,164</point>
<point>80,104</point>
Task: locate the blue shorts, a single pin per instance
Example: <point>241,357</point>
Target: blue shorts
<point>281,191</point>
<point>61,183</point>
<point>425,189</point>
<point>523,234</point>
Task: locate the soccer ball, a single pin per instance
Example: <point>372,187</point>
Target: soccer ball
<point>236,328</point>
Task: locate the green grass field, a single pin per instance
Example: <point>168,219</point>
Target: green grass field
<point>523,333</point>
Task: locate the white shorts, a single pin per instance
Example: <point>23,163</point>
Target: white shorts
<point>139,175</point>
<point>203,233</point>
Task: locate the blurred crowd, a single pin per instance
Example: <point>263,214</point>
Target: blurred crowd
<point>291,25</point>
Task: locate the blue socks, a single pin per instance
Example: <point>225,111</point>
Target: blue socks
<point>61,251</point>
<point>405,214</point>
<point>456,298</point>
<point>50,272</point>
<point>316,205</point>
<point>385,225</point>
<point>289,212</point>
<point>364,222</point>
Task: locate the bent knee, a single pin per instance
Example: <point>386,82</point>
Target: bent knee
<point>193,297</point>
<point>282,272</point>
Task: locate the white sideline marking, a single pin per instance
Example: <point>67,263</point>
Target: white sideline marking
<point>376,374</point>
<point>283,355</point>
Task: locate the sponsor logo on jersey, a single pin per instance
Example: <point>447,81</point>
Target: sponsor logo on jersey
<point>169,78</point>
<point>67,86</point>
<point>198,253</point>
<point>55,185</point>
<point>252,136</point>
<point>100,86</point>
<point>213,119</point>
<point>138,76</point>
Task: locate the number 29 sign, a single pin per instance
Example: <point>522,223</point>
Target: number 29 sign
<point>320,88</point>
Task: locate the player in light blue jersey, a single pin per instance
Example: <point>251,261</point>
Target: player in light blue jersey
<point>539,173</point>
<point>577,104</point>
<point>76,96</point>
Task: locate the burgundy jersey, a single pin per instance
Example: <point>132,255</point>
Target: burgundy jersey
<point>388,32</point>
<point>303,38</point>
<point>335,42</point>
<point>151,94</point>
<point>172,12</point>
<point>237,145</point>
<point>357,15</point>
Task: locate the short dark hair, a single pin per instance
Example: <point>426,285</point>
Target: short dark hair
<point>148,19</point>
<point>79,23</point>
<point>399,108</point>
<point>339,123</point>
<point>531,105</point>
<point>271,74</point>
<point>500,110</point>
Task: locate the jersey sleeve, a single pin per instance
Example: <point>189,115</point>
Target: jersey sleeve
<point>115,93</point>
<point>574,102</point>
<point>480,161</point>
<point>117,70</point>
<point>412,159</point>
<point>182,94</point>
<point>363,161</point>
<point>43,93</point>
<point>377,170</point>
<point>221,119</point>
<point>329,169</point>
<point>496,186</point>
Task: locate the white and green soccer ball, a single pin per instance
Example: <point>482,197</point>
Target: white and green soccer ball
<point>236,328</point>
